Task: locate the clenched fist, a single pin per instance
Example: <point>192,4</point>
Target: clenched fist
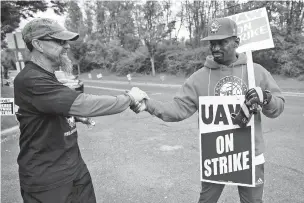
<point>256,97</point>
<point>139,107</point>
<point>137,95</point>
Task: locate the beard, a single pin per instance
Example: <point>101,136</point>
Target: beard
<point>66,64</point>
<point>61,61</point>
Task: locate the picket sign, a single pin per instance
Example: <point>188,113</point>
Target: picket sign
<point>255,34</point>
<point>227,151</point>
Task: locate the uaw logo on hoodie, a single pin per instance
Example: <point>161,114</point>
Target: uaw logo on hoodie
<point>230,85</point>
<point>72,124</point>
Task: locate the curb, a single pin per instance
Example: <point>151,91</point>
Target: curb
<point>132,83</point>
<point>10,130</point>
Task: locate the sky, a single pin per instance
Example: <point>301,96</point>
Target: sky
<point>60,19</point>
<point>49,14</point>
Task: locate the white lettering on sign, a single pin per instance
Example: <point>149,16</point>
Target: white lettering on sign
<point>7,106</point>
<point>244,36</point>
<point>247,16</point>
<point>253,30</point>
<point>224,144</point>
<point>4,100</point>
<point>216,114</point>
<point>226,164</point>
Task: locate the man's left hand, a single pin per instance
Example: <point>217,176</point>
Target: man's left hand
<point>139,107</point>
<point>257,97</point>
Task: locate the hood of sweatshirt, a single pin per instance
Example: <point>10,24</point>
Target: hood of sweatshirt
<point>215,79</point>
<point>210,63</point>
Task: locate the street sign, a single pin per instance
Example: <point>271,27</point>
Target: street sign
<point>7,106</point>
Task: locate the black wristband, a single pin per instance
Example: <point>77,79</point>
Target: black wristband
<point>268,97</point>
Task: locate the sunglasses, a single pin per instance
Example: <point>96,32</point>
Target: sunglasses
<point>58,41</point>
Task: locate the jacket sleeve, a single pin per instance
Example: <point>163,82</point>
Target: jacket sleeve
<point>181,107</point>
<point>276,105</point>
<point>86,105</point>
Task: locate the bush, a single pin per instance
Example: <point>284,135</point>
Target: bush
<point>136,62</point>
<point>286,58</point>
<point>186,61</point>
<point>301,77</point>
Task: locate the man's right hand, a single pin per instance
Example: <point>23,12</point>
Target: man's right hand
<point>137,95</point>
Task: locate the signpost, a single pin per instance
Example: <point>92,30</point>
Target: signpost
<point>16,43</point>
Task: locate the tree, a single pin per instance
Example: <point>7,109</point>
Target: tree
<point>7,61</point>
<point>125,26</point>
<point>74,18</point>
<point>88,21</point>
<point>151,27</point>
<point>100,16</point>
<point>75,23</point>
<point>13,11</point>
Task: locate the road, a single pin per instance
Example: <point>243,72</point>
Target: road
<point>139,158</point>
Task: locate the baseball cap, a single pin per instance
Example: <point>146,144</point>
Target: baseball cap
<point>41,27</point>
<point>221,28</point>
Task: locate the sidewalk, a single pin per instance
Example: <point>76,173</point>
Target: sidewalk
<point>9,131</point>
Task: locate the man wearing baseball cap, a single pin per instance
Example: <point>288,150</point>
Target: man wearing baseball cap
<point>51,169</point>
<point>225,73</point>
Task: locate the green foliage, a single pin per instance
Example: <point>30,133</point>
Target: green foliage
<point>74,19</point>
<point>185,61</point>
<point>8,61</point>
<point>136,62</point>
<point>136,37</point>
<point>287,58</point>
<point>13,11</point>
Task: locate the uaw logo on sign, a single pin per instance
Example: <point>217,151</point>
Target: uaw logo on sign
<point>7,106</point>
<point>227,151</point>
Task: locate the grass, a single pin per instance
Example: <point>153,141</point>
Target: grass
<point>286,84</point>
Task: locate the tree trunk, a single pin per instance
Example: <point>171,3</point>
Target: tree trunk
<point>152,65</point>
